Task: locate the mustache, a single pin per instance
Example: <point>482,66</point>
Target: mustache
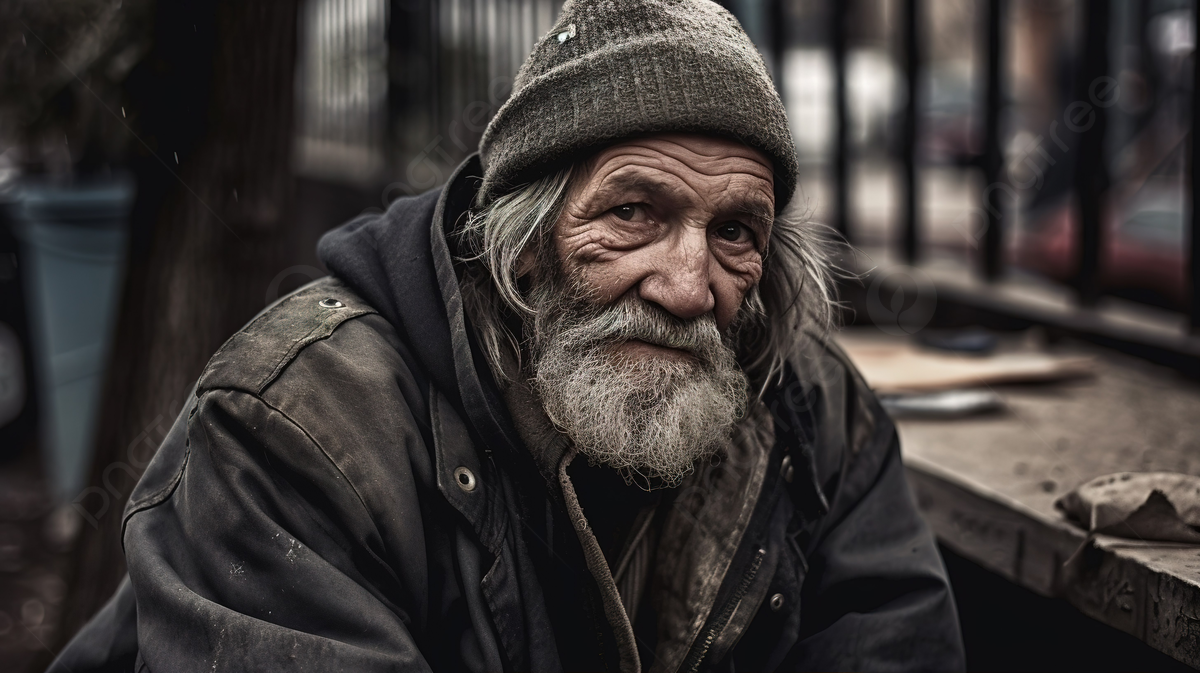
<point>587,326</point>
<point>634,318</point>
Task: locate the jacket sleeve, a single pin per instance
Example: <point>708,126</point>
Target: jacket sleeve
<point>876,597</point>
<point>243,552</point>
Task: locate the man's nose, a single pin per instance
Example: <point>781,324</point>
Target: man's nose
<point>680,282</point>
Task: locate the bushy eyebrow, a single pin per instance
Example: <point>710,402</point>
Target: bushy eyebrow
<point>634,181</point>
<point>760,211</point>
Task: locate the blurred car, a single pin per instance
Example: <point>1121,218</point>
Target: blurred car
<point>1143,252</point>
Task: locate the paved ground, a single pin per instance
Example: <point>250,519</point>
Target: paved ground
<point>33,556</point>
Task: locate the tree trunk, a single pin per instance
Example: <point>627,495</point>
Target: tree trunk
<point>211,227</point>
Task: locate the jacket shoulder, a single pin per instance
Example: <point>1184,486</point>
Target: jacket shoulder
<point>254,357</point>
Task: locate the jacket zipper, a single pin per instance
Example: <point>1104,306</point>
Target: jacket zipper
<point>698,653</point>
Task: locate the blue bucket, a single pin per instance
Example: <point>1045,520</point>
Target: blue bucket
<point>73,239</point>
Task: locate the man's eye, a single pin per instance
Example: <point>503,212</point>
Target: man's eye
<point>731,231</point>
<point>625,212</point>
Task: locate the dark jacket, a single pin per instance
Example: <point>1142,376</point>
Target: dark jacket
<point>348,490</point>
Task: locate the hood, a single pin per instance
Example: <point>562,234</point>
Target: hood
<point>399,261</point>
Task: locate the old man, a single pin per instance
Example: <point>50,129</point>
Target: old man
<point>576,410</point>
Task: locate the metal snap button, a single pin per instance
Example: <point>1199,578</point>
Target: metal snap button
<point>776,602</point>
<point>465,479</point>
<point>330,302</point>
<point>786,469</point>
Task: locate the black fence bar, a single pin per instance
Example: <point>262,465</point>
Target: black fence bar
<point>436,65</point>
<point>1193,269</point>
<point>993,157</point>
<point>841,138</point>
<point>1090,174</point>
<point>777,18</point>
<point>910,240</point>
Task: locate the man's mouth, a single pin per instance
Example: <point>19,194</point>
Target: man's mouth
<point>638,348</point>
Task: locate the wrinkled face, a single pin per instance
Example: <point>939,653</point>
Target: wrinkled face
<point>657,245</point>
<point>680,221</point>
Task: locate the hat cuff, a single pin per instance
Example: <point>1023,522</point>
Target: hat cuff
<point>654,84</point>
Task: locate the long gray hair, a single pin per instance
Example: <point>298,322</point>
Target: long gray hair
<point>796,291</point>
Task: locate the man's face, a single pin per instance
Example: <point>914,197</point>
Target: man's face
<point>657,245</point>
<point>679,220</point>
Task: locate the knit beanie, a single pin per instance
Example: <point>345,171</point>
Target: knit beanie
<point>611,70</point>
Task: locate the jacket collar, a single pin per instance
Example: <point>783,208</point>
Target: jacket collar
<point>477,391</point>
<point>474,395</point>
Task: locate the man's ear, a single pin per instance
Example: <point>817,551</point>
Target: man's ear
<point>526,262</point>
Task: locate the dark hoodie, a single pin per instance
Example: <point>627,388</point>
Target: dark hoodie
<point>350,490</point>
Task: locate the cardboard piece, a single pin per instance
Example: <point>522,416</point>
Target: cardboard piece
<point>898,367</point>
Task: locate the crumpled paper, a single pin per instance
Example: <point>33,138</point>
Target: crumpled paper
<point>1159,506</point>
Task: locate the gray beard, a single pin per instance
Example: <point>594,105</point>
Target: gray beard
<point>650,418</point>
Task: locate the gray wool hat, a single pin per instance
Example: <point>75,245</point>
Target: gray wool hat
<point>616,69</point>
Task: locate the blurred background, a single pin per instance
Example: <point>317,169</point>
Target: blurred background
<point>167,167</point>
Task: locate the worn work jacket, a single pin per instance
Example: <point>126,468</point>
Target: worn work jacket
<point>348,490</point>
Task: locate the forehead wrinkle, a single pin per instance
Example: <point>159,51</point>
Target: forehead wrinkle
<point>716,155</point>
<point>653,182</point>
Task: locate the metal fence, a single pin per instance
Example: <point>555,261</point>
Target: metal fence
<point>397,92</point>
<point>1091,186</point>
